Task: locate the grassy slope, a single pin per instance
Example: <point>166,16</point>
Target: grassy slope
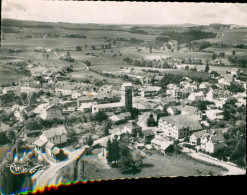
<point>156,166</point>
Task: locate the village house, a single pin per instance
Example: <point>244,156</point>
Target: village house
<point>179,126</point>
<point>147,135</point>
<point>28,110</point>
<point>157,113</point>
<point>40,145</point>
<point>122,117</point>
<point>50,112</point>
<point>63,91</point>
<point>12,89</point>
<point>195,138</point>
<point>212,143</point>
<point>196,96</point>
<point>162,144</point>
<point>111,107</point>
<point>223,81</point>
<point>56,135</point>
<point>134,128</point>
<point>174,110</point>
<point>157,79</point>
<point>214,114</point>
<point>150,91</point>
<point>75,95</point>
<point>191,110</point>
<point>178,93</point>
<point>217,94</point>
<point>204,85</point>
<point>234,71</point>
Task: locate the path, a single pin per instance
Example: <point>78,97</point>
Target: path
<point>75,61</point>
<point>232,170</point>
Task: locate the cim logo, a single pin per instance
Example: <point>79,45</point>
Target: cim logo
<point>17,169</point>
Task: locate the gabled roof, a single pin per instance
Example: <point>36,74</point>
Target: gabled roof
<point>148,132</point>
<point>58,131</point>
<point>85,98</point>
<point>218,139</point>
<point>52,106</point>
<point>39,142</point>
<point>49,145</point>
<point>176,108</point>
<point>132,125</point>
<point>158,111</point>
<point>28,108</point>
<point>55,150</point>
<point>189,109</point>
<point>184,121</point>
<point>151,88</point>
<point>199,134</point>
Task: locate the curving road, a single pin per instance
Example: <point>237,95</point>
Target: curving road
<point>232,170</point>
<point>49,176</point>
<point>75,61</point>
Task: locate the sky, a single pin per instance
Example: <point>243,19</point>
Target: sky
<point>125,12</point>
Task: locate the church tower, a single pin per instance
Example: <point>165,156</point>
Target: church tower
<point>127,95</point>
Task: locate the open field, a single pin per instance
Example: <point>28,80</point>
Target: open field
<point>97,35</point>
<point>229,37</point>
<point>8,74</point>
<point>156,166</point>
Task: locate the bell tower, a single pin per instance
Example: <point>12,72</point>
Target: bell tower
<point>127,95</point>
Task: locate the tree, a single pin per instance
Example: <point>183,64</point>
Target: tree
<point>214,73</point>
<point>78,48</point>
<point>150,48</point>
<point>107,127</point>
<point>10,135</point>
<point>113,154</point>
<point>214,56</point>
<point>150,121</point>
<point>222,54</point>
<point>89,141</point>
<point>93,47</point>
<point>134,113</point>
<point>233,52</point>
<point>3,138</point>
<point>236,87</point>
<point>109,152</point>
<point>238,153</point>
<point>23,97</point>
<point>100,116</point>
<point>32,98</point>
<point>206,68</point>
<point>86,46</point>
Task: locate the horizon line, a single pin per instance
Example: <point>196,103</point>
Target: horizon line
<point>125,23</point>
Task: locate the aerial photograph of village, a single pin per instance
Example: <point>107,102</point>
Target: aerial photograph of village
<point>94,91</point>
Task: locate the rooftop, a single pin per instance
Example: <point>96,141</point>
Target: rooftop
<point>39,142</point>
<point>58,131</point>
<point>184,121</point>
<point>132,125</point>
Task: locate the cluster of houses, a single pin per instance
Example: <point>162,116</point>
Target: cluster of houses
<point>49,140</point>
<point>176,118</point>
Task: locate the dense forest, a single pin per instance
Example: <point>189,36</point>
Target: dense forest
<point>190,35</point>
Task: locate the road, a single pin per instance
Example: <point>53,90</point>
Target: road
<point>49,176</point>
<point>142,119</point>
<point>75,61</point>
<point>232,170</point>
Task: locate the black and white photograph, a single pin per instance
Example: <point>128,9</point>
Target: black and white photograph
<point>96,91</point>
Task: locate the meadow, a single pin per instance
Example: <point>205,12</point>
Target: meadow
<point>110,59</point>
